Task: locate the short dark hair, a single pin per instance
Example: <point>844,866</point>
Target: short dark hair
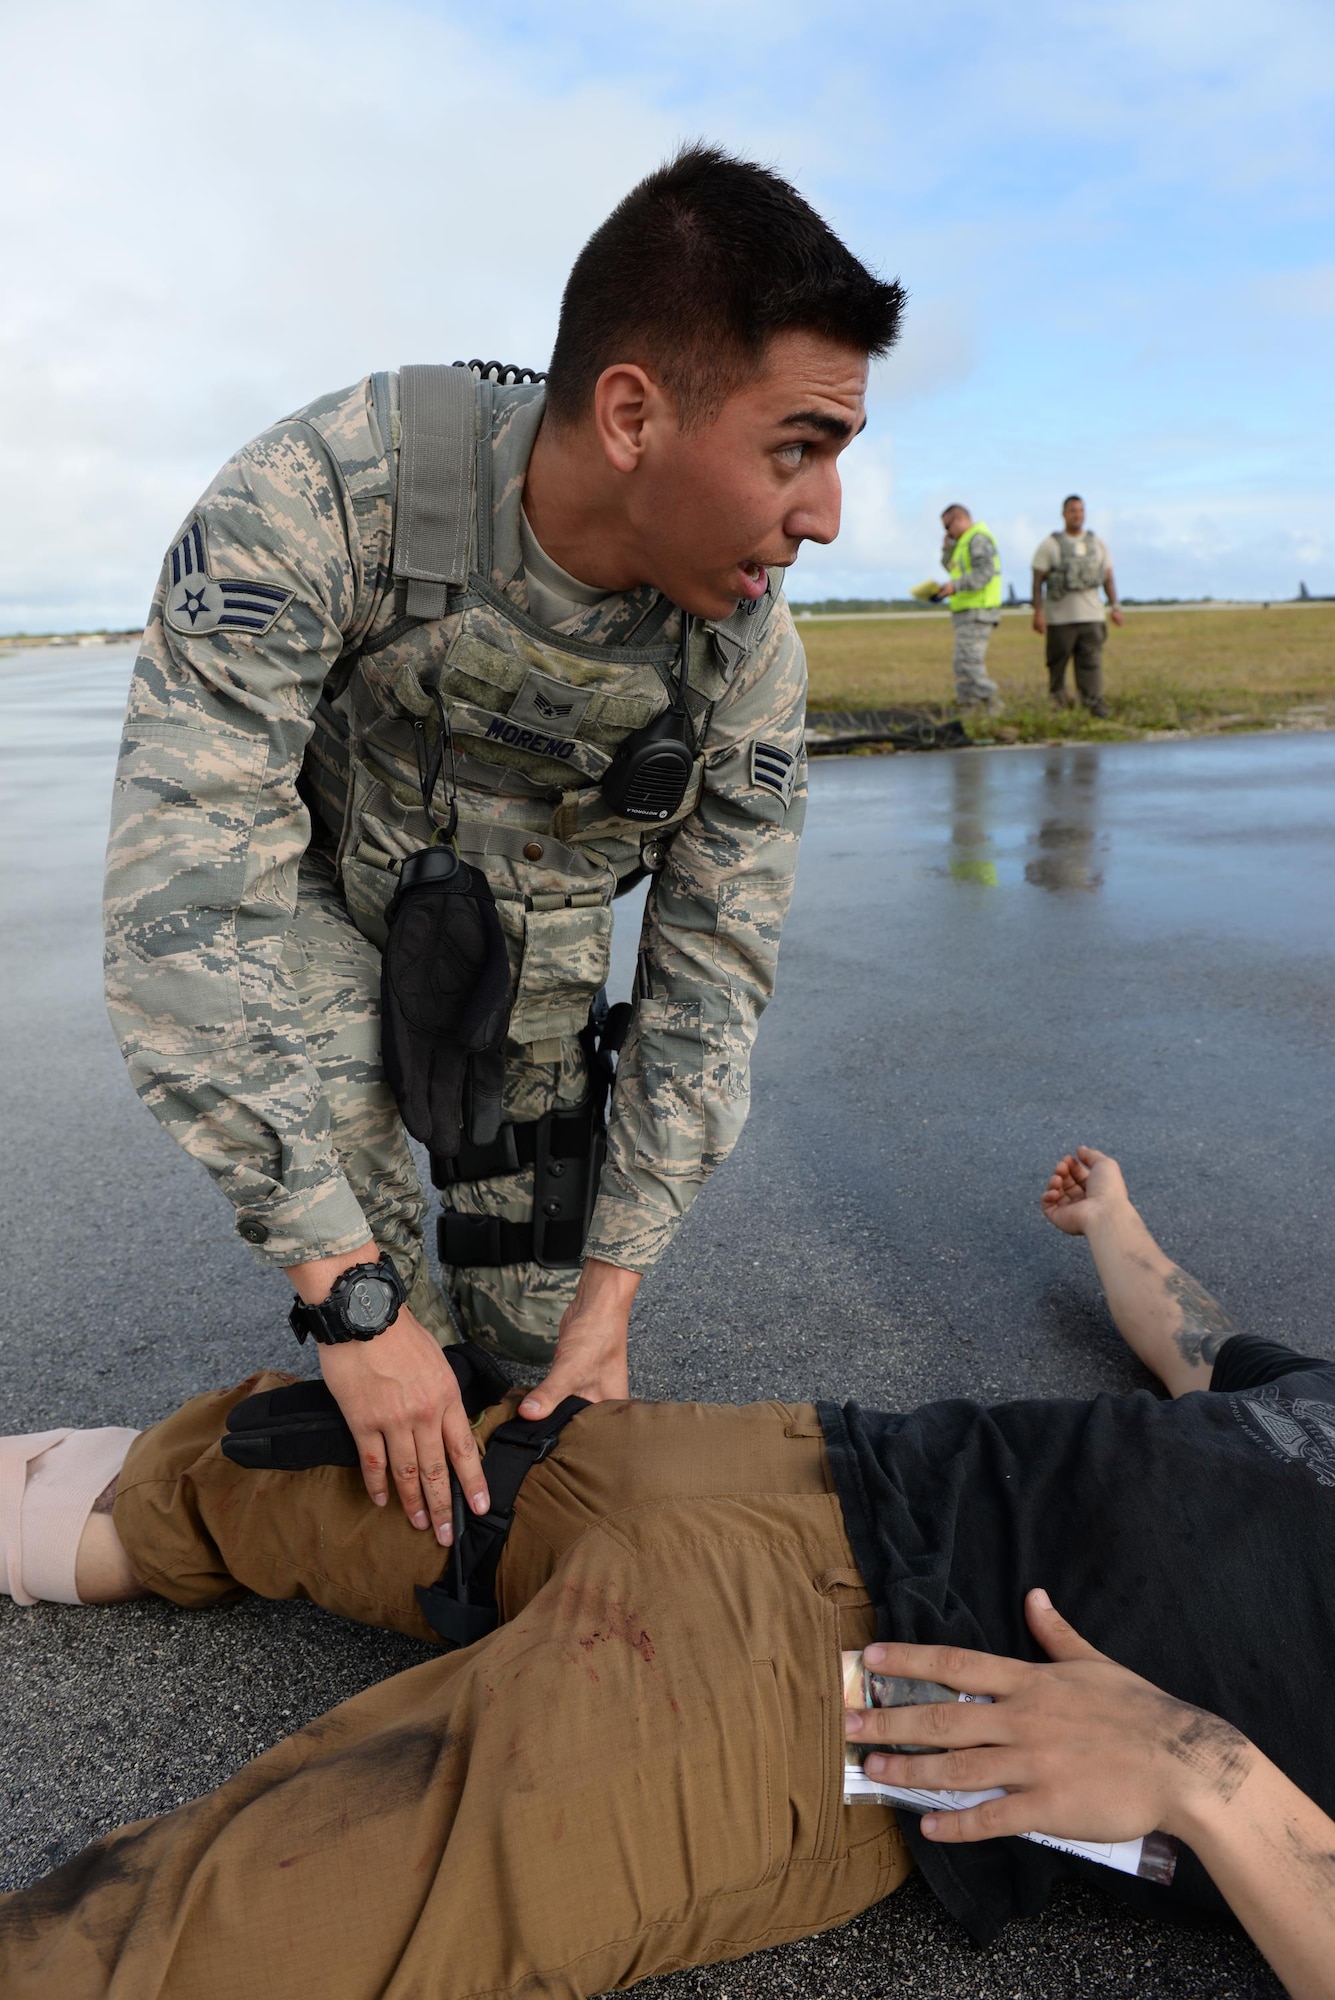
<point>955,507</point>
<point>1069,498</point>
<point>695,271</point>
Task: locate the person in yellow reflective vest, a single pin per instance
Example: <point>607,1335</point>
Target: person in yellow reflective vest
<point>969,556</point>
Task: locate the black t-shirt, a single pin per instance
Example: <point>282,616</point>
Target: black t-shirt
<point>1192,1540</point>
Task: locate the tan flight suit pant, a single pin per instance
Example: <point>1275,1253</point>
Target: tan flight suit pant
<point>641,1769</point>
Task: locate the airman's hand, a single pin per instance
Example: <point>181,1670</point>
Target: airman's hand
<point>1117,615</point>
<point>403,1407</point>
<point>591,1345</point>
<point>1039,621</point>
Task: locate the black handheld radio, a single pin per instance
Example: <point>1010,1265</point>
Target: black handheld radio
<point>648,776</point>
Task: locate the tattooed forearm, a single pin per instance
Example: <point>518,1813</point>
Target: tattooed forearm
<point>1205,1325</point>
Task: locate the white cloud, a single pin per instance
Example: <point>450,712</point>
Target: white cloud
<point>204,231</point>
<point>1108,223</point>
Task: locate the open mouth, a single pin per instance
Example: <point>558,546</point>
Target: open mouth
<point>754,580</point>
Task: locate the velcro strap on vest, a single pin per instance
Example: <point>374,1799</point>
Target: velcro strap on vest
<point>433,513</point>
<point>462,1606</point>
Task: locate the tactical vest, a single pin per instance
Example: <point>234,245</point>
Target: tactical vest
<point>989,596</point>
<point>536,716</point>
<point>1075,569</point>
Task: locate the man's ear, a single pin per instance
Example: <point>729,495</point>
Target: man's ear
<point>627,404</point>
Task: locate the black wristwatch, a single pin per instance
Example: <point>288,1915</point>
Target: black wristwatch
<point>365,1299</point>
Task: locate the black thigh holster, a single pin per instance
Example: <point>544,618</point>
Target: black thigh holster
<point>565,1150</point>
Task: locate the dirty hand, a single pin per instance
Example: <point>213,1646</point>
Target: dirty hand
<point>1083,1186</point>
<point>1084,1749</point>
<point>591,1345</point>
<point>1040,621</point>
<point>402,1404</point>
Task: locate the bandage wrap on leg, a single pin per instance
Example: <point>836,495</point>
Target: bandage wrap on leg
<point>49,1483</point>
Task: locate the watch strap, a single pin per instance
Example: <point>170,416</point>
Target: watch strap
<point>318,1323</point>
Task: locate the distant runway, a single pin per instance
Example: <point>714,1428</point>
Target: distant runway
<point>992,955</point>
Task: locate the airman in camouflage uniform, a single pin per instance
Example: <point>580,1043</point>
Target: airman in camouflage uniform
<point>268,789</point>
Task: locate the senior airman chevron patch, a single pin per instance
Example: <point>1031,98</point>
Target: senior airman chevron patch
<point>198,602</point>
<point>773,769</point>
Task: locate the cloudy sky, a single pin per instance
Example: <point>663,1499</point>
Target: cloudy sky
<point>1114,218</point>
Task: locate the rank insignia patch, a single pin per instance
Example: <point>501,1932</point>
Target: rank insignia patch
<point>545,703</point>
<point>198,602</point>
<point>773,770</point>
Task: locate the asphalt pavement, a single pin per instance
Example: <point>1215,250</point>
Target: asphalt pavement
<point>992,956</point>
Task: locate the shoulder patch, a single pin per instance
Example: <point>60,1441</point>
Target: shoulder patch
<point>774,770</point>
<point>198,602</point>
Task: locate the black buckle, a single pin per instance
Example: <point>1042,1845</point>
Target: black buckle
<point>541,1447</point>
<point>451,1607</point>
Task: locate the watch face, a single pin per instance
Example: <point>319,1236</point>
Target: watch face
<point>368,1305</point>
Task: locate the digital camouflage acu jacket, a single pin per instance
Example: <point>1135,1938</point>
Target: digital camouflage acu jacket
<point>277,690</point>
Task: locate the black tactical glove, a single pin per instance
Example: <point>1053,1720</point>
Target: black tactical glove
<point>445,1001</point>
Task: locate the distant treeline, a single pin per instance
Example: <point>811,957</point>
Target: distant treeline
<point>845,606</point>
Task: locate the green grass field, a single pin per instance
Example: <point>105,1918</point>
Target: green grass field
<point>1193,670</point>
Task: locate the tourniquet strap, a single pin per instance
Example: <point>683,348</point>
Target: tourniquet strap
<point>462,1606</point>
<point>300,1425</point>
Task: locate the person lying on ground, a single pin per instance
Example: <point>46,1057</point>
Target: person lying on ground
<point>641,1768</point>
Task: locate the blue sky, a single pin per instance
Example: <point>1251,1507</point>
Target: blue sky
<point>1114,220</point>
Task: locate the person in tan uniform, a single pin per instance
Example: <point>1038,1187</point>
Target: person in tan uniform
<point>641,1766</point>
<point>1072,566</point>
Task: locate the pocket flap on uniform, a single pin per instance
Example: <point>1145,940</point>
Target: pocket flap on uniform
<point>565,960</point>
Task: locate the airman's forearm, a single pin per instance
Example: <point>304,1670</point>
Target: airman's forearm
<point>313,1281</point>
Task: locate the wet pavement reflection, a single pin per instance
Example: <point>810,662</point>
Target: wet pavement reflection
<point>1068,837</point>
